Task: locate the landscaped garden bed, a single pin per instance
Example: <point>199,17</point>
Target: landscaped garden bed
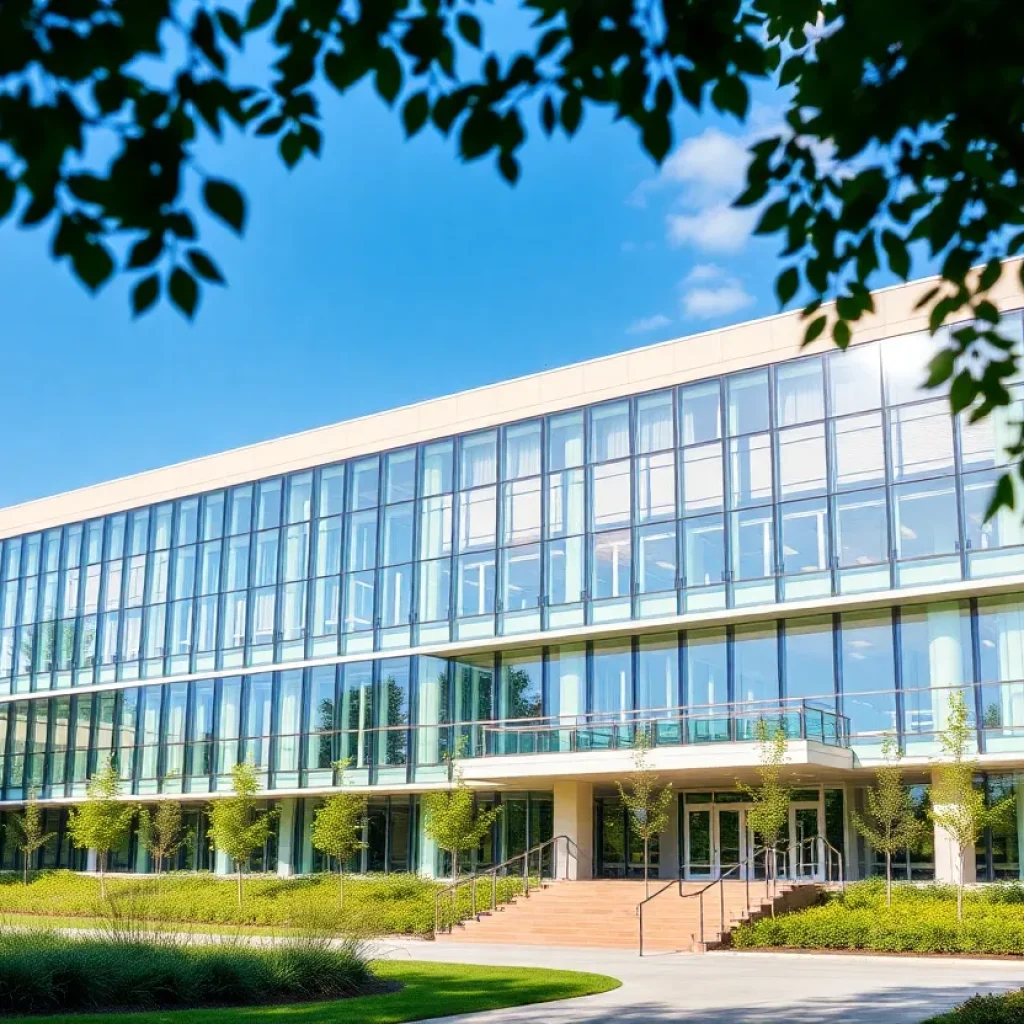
<point>398,904</point>
<point>922,919</point>
<point>998,1009</point>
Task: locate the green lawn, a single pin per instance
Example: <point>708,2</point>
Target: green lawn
<point>428,990</point>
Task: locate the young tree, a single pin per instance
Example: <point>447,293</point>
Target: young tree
<point>30,827</point>
<point>891,824</point>
<point>769,814</point>
<point>451,818</point>
<point>237,827</point>
<point>162,834</point>
<point>957,805</point>
<point>646,801</point>
<point>104,820</point>
<point>338,827</point>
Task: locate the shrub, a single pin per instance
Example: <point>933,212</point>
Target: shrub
<point>46,972</point>
<point>922,919</point>
<point>1003,1009</point>
<point>393,904</point>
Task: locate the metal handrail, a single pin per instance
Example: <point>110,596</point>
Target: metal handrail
<point>747,863</point>
<point>451,891</point>
<point>829,849</point>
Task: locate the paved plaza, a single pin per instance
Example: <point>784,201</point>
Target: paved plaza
<point>735,988</point>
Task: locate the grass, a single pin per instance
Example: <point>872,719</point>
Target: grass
<point>1001,1009</point>
<point>428,990</point>
<point>922,919</point>
<point>400,904</point>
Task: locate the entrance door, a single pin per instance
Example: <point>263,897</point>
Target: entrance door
<point>806,852</point>
<point>715,841</point>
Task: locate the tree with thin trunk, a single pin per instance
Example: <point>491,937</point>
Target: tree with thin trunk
<point>338,827</point>
<point>891,824</point>
<point>238,828</point>
<point>452,818</point>
<point>957,805</point>
<point>30,826</point>
<point>646,800</point>
<point>104,821</point>
<point>163,833</point>
<point>768,814</point>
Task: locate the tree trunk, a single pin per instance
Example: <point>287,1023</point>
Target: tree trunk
<point>238,864</point>
<point>888,880</point>
<point>341,884</point>
<point>960,887</point>
<point>26,869</point>
<point>102,861</point>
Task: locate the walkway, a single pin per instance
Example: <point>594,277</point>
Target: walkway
<point>735,988</point>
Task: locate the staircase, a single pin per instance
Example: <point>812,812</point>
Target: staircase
<point>603,914</point>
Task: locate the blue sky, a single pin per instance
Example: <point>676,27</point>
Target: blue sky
<point>382,274</point>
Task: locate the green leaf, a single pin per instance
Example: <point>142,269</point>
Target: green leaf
<point>548,117</point>
<point>572,113</point>
<point>774,218</point>
<point>7,193</point>
<point>991,274</point>
<point>145,251</point>
<point>509,167</point>
<point>963,391</point>
<point>415,113</point>
<point>897,254</point>
<point>469,29</point>
<point>731,96</point>
<point>657,135</point>
<point>93,264</point>
<point>841,333</point>
<point>184,291</point>
<point>941,367</point>
<point>204,266</point>
<point>145,293</point>
<point>815,329</point>
<point>260,12</point>
<point>1002,496</point>
<point>786,284</point>
<point>224,200</point>
<point>388,78</point>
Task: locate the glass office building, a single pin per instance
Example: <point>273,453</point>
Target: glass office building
<point>685,538</point>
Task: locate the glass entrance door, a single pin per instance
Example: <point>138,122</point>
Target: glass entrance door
<point>806,852</point>
<point>715,841</point>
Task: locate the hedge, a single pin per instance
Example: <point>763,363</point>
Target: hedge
<point>374,904</point>
<point>47,972</point>
<point>922,919</point>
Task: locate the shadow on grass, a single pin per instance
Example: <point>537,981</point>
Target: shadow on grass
<point>427,990</point>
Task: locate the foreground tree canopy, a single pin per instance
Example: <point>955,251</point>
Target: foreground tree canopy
<point>903,127</point>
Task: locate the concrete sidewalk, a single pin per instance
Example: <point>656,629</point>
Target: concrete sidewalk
<point>734,988</point>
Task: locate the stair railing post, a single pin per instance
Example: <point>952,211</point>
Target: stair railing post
<point>526,876</point>
<point>721,907</point>
<point>700,900</point>
<point>494,891</point>
<point>641,913</point>
<point>472,896</point>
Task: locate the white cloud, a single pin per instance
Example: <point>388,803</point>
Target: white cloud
<point>648,323</point>
<point>717,228</point>
<point>709,292</point>
<point>710,163</point>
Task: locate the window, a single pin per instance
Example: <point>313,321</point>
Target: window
<point>861,528</point>
<point>868,674</point>
<point>522,450</point>
<point>700,412</point>
<point>858,451</point>
<point>925,517</point>
<point>756,664</point>
<point>747,399</point>
<point>320,711</point>
<point>855,379</point>
<point>802,461</point>
<point>612,560</point>
<point>656,558</point>
<point>612,504</point>
<point>750,469</point>
<point>799,394</point>
<point>654,422</point>
<point>613,676</point>
<point>478,464</point>
<point>393,711</point>
<point>704,555</point>
<point>609,430</point>
<point>364,483</point>
<point>567,680</point>
<point>810,670</point>
<point>703,484</point>
<point>921,438</point>
<point>658,672</point>
<point>521,686</point>
<point>752,554</point>
<point>656,486</point>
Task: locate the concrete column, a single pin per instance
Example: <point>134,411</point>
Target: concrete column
<point>574,817</point>
<point>668,843</point>
<point>1019,780</point>
<point>91,860</point>
<point>141,863</point>
<point>947,858</point>
<point>222,864</point>
<point>286,852</point>
<point>428,856</point>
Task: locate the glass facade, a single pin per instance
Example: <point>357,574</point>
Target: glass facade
<point>818,477</point>
<point>329,613</point>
